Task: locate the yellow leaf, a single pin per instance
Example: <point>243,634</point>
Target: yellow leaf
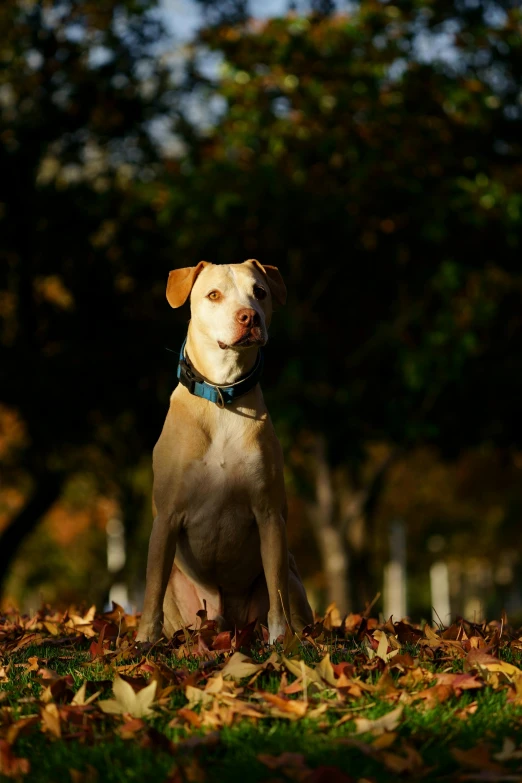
<point>239,666</point>
<point>502,667</point>
<point>215,684</point>
<point>127,701</point>
<point>197,696</point>
<point>51,720</point>
<point>382,649</point>
<point>298,670</point>
<point>325,671</point>
<point>79,699</point>
<point>388,722</point>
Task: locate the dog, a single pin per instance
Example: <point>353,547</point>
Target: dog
<point>219,503</point>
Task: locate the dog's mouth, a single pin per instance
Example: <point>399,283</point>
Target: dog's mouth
<point>250,338</point>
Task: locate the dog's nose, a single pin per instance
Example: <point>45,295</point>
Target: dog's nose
<point>247,317</point>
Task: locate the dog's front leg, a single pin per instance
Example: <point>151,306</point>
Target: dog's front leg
<point>274,554</point>
<point>162,549</point>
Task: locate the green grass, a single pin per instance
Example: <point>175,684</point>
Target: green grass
<point>234,759</point>
<point>234,752</point>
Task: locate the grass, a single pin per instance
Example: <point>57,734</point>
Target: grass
<point>235,757</point>
<point>425,742</point>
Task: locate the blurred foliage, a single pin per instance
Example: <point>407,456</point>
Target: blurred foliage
<point>375,157</point>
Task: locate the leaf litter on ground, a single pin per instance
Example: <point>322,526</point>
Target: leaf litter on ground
<point>79,675</point>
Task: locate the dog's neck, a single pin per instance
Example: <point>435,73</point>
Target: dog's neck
<point>217,365</point>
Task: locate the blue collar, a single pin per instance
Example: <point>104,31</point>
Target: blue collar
<point>221,395</point>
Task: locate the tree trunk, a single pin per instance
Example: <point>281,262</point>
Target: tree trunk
<point>46,492</point>
<point>329,536</point>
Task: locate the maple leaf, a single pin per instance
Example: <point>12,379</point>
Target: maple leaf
<point>308,675</point>
<point>239,666</point>
<point>388,722</point>
<point>509,751</point>
<point>127,702</point>
<point>286,708</point>
<point>79,699</point>
<point>478,758</point>
<point>51,720</point>
<point>382,648</point>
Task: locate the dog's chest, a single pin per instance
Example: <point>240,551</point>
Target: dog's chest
<point>225,474</point>
<point>219,538</point>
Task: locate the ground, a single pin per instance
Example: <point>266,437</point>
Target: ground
<point>350,700</point>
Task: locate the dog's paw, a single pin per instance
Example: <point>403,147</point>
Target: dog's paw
<point>276,629</point>
<point>148,634</point>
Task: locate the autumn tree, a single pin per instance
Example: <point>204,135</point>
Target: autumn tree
<point>81,88</point>
<point>375,157</point>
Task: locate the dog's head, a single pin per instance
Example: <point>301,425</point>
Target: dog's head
<point>230,304</point>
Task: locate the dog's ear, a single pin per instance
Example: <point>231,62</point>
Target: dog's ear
<point>180,283</point>
<point>274,280</point>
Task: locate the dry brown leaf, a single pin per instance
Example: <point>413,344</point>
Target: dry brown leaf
<point>459,682</point>
<point>286,708</point>
<point>131,728</point>
<point>20,727</point>
<point>190,716</point>
<point>10,765</point>
<point>434,695</point>
<point>89,776</point>
<point>409,760</point>
<point>477,757</point>
<point>385,740</point>
<point>465,712</point>
<point>291,765</point>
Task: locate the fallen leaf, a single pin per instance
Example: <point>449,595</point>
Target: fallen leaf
<point>126,701</point>
<point>465,712</point>
<point>300,669</point>
<point>509,751</point>
<point>292,765</point>
<point>408,760</point>
<point>434,695</point>
<point>190,716</point>
<point>89,776</point>
<point>79,697</point>
<point>388,722</point>
<point>326,672</point>
<point>197,696</point>
<point>382,648</point>
<point>131,728</point>
<point>239,666</point>
<point>477,757</point>
<point>51,720</point>
<point>10,765</point>
<point>20,728</point>
<point>286,708</point>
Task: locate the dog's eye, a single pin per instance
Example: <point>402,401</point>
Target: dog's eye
<point>259,292</point>
<point>214,296</point>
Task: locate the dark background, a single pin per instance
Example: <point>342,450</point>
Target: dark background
<point>373,153</point>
